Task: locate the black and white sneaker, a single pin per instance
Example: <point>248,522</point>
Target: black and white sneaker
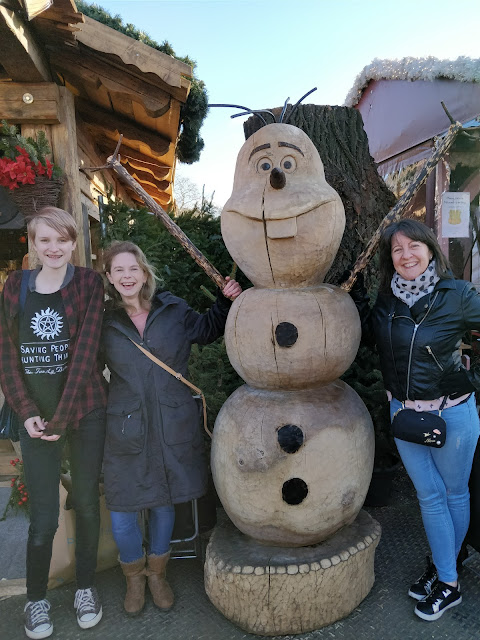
<point>88,608</point>
<point>37,621</point>
<point>442,597</point>
<point>424,585</point>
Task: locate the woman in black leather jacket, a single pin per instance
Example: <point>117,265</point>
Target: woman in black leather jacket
<point>418,321</point>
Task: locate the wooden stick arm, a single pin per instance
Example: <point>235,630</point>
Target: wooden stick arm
<point>398,210</point>
<point>172,228</point>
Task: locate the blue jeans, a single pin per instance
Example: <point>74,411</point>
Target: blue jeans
<point>41,462</point>
<point>440,477</point>
<point>128,536</point>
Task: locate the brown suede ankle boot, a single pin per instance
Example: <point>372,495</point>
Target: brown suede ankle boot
<point>135,574</point>
<point>157,583</point>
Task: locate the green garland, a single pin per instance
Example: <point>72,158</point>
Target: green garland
<point>194,111</point>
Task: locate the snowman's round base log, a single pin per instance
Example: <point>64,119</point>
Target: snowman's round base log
<point>272,591</point>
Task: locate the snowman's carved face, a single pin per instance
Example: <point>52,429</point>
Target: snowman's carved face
<point>279,175</point>
<point>283,222</point>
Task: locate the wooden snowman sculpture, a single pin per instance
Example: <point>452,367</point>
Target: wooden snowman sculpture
<point>292,452</point>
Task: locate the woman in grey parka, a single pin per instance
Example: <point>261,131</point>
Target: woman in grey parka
<point>154,447</point>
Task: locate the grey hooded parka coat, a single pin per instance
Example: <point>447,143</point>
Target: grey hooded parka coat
<point>154,454</point>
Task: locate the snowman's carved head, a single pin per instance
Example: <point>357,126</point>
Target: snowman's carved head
<point>279,175</point>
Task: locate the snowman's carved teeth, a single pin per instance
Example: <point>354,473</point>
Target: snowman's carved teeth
<point>277,229</point>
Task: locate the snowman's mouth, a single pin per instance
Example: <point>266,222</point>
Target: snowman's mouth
<point>276,229</point>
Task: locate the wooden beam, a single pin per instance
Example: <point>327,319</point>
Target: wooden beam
<point>163,199</point>
<point>93,69</point>
<point>34,103</point>
<point>132,52</point>
<point>114,125</point>
<point>158,172</point>
<point>64,147</point>
<point>20,54</point>
<point>148,179</point>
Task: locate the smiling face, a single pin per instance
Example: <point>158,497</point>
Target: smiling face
<point>127,276</point>
<point>410,257</point>
<point>54,249</point>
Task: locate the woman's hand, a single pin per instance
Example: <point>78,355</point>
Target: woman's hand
<point>35,427</point>
<point>232,289</point>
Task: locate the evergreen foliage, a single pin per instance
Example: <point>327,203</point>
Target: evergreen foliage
<point>194,111</point>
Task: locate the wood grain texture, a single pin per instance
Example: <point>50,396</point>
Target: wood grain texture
<point>335,461</point>
<point>328,329</point>
<point>270,591</point>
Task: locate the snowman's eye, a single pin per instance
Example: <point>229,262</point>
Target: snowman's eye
<point>264,165</point>
<point>289,164</point>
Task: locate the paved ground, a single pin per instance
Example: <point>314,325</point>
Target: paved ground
<point>386,613</point>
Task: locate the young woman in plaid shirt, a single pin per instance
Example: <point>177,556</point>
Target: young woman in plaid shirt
<point>51,374</point>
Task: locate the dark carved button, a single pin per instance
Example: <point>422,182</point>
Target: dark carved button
<point>294,491</point>
<point>286,334</point>
<point>290,438</point>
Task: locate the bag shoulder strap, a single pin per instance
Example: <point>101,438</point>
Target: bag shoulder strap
<point>178,376</point>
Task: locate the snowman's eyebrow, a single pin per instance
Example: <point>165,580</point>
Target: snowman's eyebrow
<point>291,146</point>
<point>267,145</point>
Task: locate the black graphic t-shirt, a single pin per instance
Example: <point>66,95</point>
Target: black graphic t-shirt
<point>44,341</point>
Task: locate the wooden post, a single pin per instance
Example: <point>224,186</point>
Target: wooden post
<point>399,209</point>
<point>64,148</point>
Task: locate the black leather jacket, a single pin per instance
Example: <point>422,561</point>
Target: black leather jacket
<point>419,346</point>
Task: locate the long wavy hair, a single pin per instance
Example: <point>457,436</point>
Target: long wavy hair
<point>414,230</point>
<point>148,288</point>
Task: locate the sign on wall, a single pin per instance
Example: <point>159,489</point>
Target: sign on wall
<point>456,214</point>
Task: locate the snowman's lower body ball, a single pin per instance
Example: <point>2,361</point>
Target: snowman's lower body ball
<point>292,467</point>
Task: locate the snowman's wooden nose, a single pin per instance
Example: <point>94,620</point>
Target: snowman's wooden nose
<point>277,178</point>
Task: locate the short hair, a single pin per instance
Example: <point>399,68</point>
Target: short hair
<point>58,219</point>
<point>148,289</point>
<point>415,230</point>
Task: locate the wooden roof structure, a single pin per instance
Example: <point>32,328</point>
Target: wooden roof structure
<point>120,85</point>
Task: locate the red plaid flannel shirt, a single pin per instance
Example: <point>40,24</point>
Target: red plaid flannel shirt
<point>85,387</point>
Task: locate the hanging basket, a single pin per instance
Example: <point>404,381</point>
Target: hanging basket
<point>29,198</point>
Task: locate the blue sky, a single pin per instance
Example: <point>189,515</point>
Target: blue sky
<point>259,52</point>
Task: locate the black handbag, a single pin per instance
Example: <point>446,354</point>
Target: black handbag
<point>8,423</point>
<point>420,427</point>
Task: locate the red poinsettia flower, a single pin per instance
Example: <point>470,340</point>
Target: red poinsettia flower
<point>49,168</point>
<point>24,172</point>
<point>40,169</point>
<point>22,151</point>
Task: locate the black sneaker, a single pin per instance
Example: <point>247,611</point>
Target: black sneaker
<point>424,585</point>
<point>442,597</point>
<point>37,621</point>
<point>88,608</point>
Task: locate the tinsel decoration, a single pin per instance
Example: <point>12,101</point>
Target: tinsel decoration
<point>462,69</point>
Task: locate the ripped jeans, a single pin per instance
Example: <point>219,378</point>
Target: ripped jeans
<point>440,477</point>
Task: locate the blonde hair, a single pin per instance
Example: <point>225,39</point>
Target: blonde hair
<point>148,288</point>
<point>58,219</point>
